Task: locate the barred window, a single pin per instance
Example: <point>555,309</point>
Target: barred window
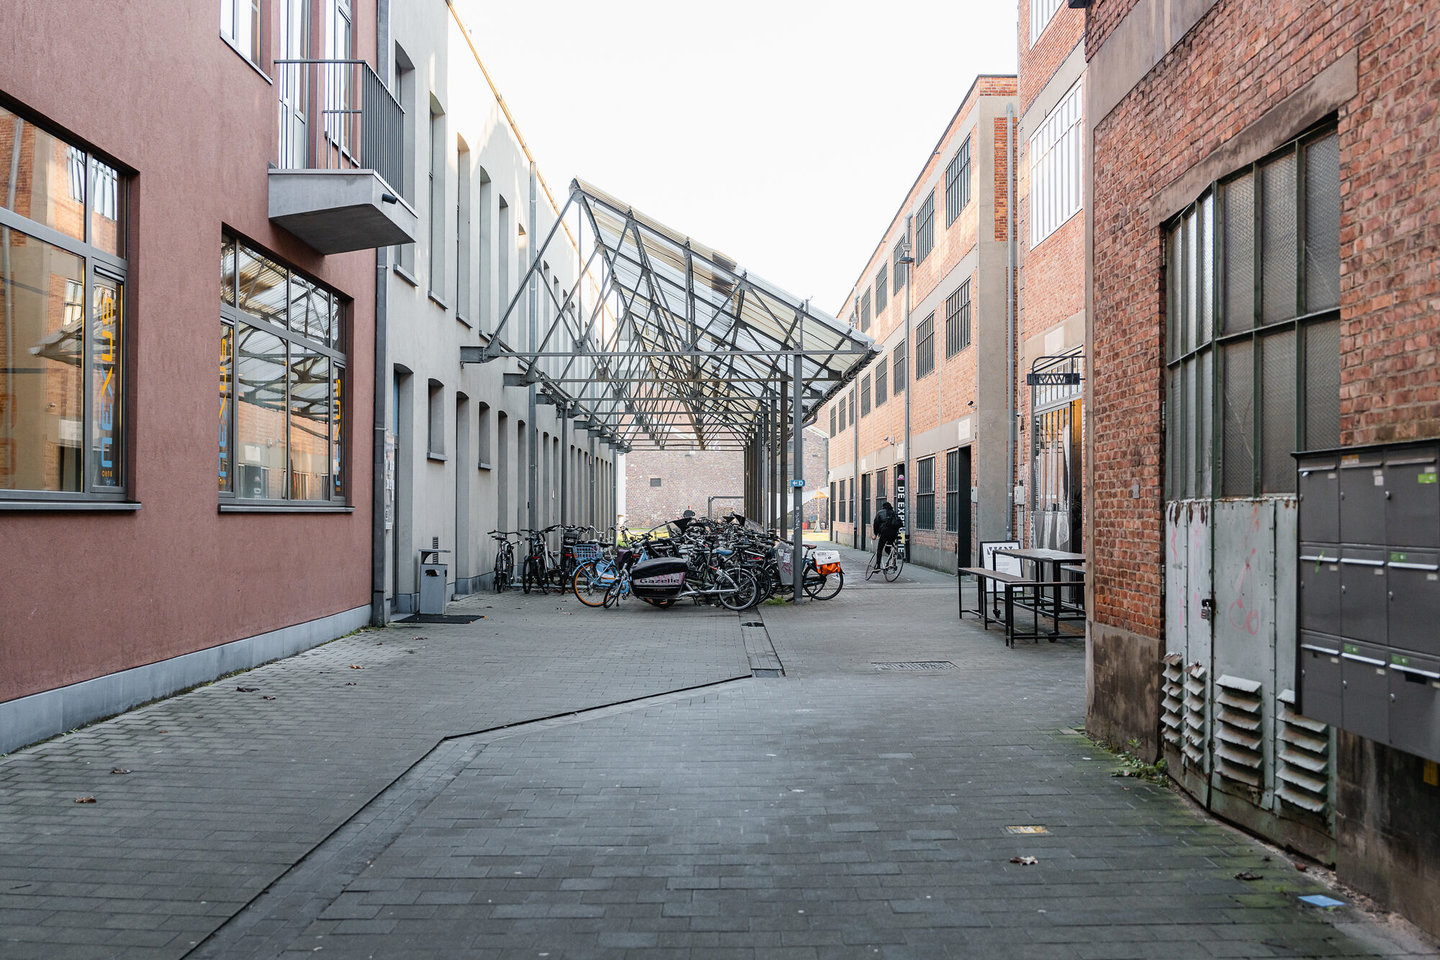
<point>957,183</point>
<point>832,502</point>
<point>925,346</point>
<point>925,494</point>
<point>897,269</point>
<point>842,502</point>
<point>1055,189</point>
<point>865,311</point>
<point>897,380</point>
<point>882,293</point>
<point>865,395</point>
<point>842,415</point>
<point>925,229</point>
<point>880,370</point>
<point>832,421</point>
<point>957,320</point>
<point>852,406</point>
<point>1252,321</point>
<point>952,491</point>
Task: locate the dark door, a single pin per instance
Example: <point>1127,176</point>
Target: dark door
<point>964,509</point>
<point>864,510</point>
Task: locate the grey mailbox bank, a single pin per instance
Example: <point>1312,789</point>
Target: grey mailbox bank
<point>1369,592</point>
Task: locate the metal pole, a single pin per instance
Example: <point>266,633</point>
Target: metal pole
<point>797,498</point>
<point>379,539</point>
<point>1010,439</point>
<point>532,477</point>
<point>909,388</point>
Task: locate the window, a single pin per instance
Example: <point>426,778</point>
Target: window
<point>897,269</point>
<point>843,514</point>
<point>240,27</point>
<point>865,395</point>
<point>282,372</point>
<point>952,491</point>
<point>435,430</point>
<point>63,425</point>
<point>865,311</point>
<point>897,380</point>
<point>881,369</point>
<point>852,406</point>
<point>925,229</point>
<point>832,502</point>
<point>437,199</point>
<point>842,414</point>
<point>1041,12</point>
<point>957,183</point>
<point>925,346</point>
<point>832,421</point>
<point>463,261</point>
<point>880,496</point>
<point>404,255</point>
<point>925,494</point>
<point>1055,168</point>
<point>482,439</point>
<point>882,292</point>
<point>1252,324</point>
<point>957,320</point>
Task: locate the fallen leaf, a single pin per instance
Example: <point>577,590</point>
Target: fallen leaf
<point>246,689</point>
<point>356,666</point>
<point>84,799</point>
<point>120,770</point>
<point>267,697</point>
<point>1247,875</point>
<point>1025,861</point>
<point>1301,867</point>
<point>352,683</point>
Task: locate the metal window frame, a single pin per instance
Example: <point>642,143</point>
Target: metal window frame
<point>957,183</point>
<point>925,493</point>
<point>925,228</point>
<point>925,347</point>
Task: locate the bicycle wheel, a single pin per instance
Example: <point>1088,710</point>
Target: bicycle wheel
<point>872,564</point>
<point>894,564</point>
<point>527,575</point>
<point>590,583</point>
<point>823,586</point>
<point>502,574</point>
<point>737,589</point>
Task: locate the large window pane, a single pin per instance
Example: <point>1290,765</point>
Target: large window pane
<point>42,399</point>
<point>41,177</point>
<point>261,289</point>
<point>106,343</point>
<point>1278,236</point>
<point>309,310</point>
<point>1277,424</point>
<point>1322,385</point>
<point>337,435</point>
<point>260,413</point>
<point>227,398</point>
<point>1239,313</point>
<point>107,212</point>
<point>309,424</point>
<point>1238,437</point>
<point>1322,224</point>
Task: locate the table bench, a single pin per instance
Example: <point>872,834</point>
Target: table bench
<point>1000,582</point>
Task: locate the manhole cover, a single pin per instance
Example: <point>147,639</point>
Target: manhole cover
<point>916,665</point>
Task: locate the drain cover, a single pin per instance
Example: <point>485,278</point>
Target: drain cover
<point>915,665</point>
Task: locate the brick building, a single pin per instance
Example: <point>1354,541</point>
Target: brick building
<point>936,404</point>
<point>1263,233</point>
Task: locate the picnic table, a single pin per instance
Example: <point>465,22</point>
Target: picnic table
<point>1041,592</point>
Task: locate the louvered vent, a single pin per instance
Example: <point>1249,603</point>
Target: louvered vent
<point>1302,768</point>
<point>1239,752</point>
<point>1172,699</point>
<point>1193,730</point>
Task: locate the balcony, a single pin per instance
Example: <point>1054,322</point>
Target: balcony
<point>341,138</point>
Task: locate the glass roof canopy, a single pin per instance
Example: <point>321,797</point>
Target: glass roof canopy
<point>663,342</point>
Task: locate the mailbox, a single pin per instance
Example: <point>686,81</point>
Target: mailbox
<point>1319,489</point>
<point>1415,704</point>
<point>1412,485</point>
<point>1319,680</point>
<point>1319,582</point>
<point>1413,589</point>
<point>1363,601</point>
<point>1365,690</point>
<point>1362,498</point>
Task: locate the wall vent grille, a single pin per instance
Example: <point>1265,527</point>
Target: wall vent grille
<point>1239,751</point>
<point>1302,768</point>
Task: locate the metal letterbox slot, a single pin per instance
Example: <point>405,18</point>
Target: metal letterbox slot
<point>1362,499</point>
<point>1319,680</point>
<point>1363,595</point>
<point>1319,489</point>
<point>1365,691</point>
<point>1412,509</point>
<point>1319,579</point>
<point>1415,705</point>
<point>1413,587</point>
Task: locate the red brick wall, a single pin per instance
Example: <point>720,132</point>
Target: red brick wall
<point>1038,64</point>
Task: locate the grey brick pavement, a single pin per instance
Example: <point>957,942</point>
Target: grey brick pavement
<point>554,781</point>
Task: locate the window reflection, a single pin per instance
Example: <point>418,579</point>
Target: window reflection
<point>38,176</point>
<point>107,223</point>
<point>261,286</point>
<point>106,326</point>
<point>42,400</point>
<point>309,425</point>
<point>260,413</point>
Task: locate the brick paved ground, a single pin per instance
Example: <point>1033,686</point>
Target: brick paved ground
<point>615,784</point>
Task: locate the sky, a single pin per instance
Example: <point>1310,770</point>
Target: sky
<point>784,134</point>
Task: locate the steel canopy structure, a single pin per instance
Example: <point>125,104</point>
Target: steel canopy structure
<point>665,343</point>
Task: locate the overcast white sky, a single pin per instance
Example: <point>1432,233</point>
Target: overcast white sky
<point>782,133</point>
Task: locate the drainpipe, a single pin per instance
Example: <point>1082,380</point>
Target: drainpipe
<point>378,536</point>
<point>909,263</point>
<point>532,305</point>
<point>1010,438</point>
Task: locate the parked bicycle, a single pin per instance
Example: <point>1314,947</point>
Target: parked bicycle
<point>504,560</point>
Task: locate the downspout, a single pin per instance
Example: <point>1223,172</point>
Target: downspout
<point>378,538</point>
<point>909,264</point>
<point>1011,441</point>
<point>532,305</point>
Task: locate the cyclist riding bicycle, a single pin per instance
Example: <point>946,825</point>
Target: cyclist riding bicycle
<point>887,527</point>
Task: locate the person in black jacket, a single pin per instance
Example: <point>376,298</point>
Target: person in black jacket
<point>886,526</point>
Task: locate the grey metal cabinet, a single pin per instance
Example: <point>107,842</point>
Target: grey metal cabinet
<point>1415,704</point>
<point>1412,487</point>
<point>1413,591</point>
<point>1319,581</point>
<point>1362,593</point>
<point>1319,680</point>
<point>1365,690</point>
<point>1319,492</point>
<point>1362,498</point>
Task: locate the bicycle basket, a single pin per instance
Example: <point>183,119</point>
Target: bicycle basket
<point>585,552</point>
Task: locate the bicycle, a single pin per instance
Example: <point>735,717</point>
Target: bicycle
<point>535,572</point>
<point>504,560</point>
<point>890,564</point>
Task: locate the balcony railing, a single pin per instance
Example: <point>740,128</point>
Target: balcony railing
<point>338,115</point>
